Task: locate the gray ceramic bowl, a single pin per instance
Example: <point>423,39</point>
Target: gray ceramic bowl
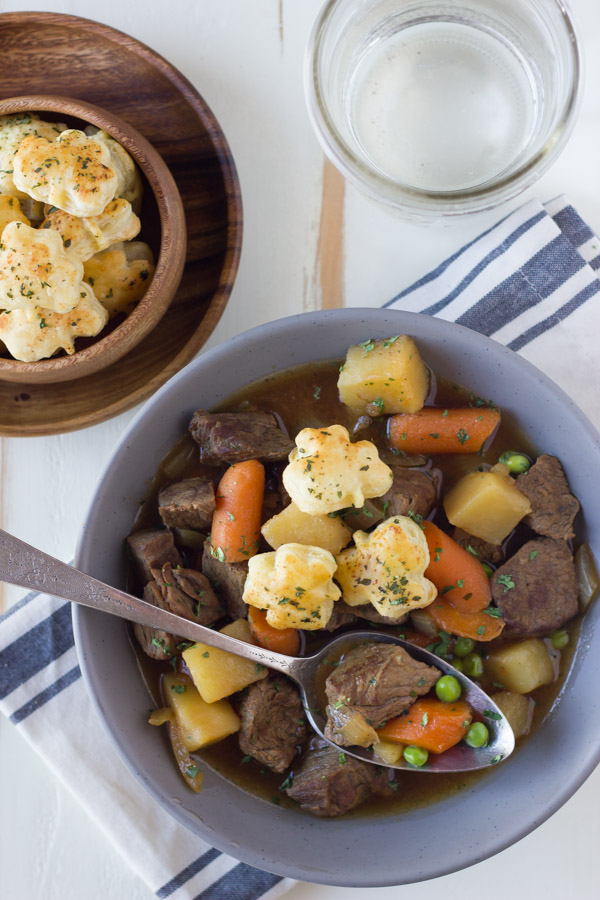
<point>510,801</point>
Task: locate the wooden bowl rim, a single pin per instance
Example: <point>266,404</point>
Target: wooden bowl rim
<point>169,265</point>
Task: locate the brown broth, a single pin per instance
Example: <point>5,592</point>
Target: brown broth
<point>303,397</point>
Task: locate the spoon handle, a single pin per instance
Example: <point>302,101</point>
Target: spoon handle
<point>27,567</point>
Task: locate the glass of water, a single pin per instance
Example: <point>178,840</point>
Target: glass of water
<point>442,107</point>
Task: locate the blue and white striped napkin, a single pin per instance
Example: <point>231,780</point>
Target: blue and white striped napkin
<point>529,282</point>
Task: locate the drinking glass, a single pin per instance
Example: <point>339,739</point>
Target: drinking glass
<point>441,107</point>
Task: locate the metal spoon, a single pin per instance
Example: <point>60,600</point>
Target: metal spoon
<point>23,565</point>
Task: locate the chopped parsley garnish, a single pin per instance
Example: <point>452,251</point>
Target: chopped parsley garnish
<point>507,582</point>
<point>492,611</point>
<point>462,436</point>
<point>490,714</point>
<point>416,517</point>
<point>192,771</point>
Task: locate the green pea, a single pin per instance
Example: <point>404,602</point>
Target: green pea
<point>516,463</point>
<point>477,735</point>
<point>559,639</point>
<point>488,571</point>
<point>473,665</point>
<point>448,688</point>
<point>463,646</point>
<point>415,756</point>
<point>458,664</point>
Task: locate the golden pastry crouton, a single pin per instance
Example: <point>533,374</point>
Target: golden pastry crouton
<point>89,235</point>
<point>327,472</point>
<point>13,129</point>
<point>294,585</point>
<point>36,270</point>
<point>73,172</point>
<point>30,335</point>
<point>10,211</point>
<point>386,568</point>
<point>120,275</point>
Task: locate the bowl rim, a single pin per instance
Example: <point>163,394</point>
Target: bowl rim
<point>84,620</point>
<point>169,264</point>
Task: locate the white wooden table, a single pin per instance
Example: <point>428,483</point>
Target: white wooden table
<point>309,241</point>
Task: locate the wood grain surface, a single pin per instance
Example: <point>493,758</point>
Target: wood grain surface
<point>50,53</point>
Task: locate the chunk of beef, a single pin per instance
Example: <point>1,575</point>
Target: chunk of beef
<point>328,783</point>
<point>412,491</point>
<point>363,518</point>
<point>370,614</point>
<point>151,548</point>
<point>233,437</point>
<point>154,642</point>
<point>188,504</point>
<point>188,593</point>
<point>536,589</point>
<point>273,723</point>
<point>341,615</point>
<point>553,506</point>
<point>278,473</point>
<point>228,581</point>
<point>486,552</point>
<point>376,681</point>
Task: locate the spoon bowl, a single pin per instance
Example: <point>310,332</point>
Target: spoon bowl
<point>25,566</point>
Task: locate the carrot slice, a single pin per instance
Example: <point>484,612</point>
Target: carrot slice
<point>236,522</point>
<point>433,430</point>
<point>476,624</point>
<point>456,573</point>
<point>431,724</point>
<point>282,640</point>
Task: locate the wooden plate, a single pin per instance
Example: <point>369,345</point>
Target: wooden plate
<point>52,53</point>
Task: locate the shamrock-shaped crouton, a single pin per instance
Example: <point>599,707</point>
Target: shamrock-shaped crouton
<point>386,568</point>
<point>73,172</point>
<point>13,129</point>
<point>120,275</point>
<point>30,335</point>
<point>327,472</point>
<point>294,585</point>
<point>36,270</point>
<point>89,235</point>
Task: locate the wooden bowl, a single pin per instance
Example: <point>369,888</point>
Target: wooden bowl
<point>163,227</point>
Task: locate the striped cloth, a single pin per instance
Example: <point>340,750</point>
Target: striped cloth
<point>525,282</point>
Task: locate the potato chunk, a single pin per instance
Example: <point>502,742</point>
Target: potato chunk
<point>486,504</point>
<point>294,526</point>
<point>200,723</point>
<point>521,667</point>
<point>386,376</point>
<point>218,673</point>
<point>517,709</point>
<point>388,752</point>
